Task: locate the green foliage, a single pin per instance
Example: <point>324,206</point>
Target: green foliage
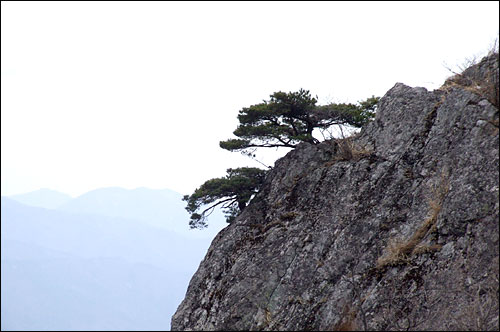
<point>232,192</point>
<point>290,118</point>
<point>284,121</point>
<point>365,112</point>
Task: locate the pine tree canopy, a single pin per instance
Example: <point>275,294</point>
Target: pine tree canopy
<point>232,193</point>
<point>290,118</point>
<point>285,120</point>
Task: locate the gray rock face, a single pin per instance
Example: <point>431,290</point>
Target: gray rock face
<point>396,228</point>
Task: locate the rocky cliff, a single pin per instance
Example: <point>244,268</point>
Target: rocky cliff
<point>394,228</point>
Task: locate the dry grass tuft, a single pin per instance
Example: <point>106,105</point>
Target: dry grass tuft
<point>350,150</point>
<point>268,317</point>
<point>487,87</point>
<point>399,251</point>
<point>426,248</point>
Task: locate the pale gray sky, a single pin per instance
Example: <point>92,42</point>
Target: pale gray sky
<point>132,94</point>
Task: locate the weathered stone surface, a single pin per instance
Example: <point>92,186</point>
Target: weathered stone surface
<point>402,233</point>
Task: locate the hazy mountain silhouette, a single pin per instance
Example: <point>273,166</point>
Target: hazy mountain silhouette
<point>163,208</point>
<point>45,198</point>
<point>75,271</point>
<point>92,235</point>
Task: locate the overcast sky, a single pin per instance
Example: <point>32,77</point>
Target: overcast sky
<point>139,94</point>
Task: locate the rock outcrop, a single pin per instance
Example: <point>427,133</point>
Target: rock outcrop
<point>395,228</point>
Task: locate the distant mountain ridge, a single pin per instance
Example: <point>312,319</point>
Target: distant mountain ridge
<point>162,208</point>
<point>110,259</point>
<point>73,233</point>
<point>44,198</point>
<point>78,271</point>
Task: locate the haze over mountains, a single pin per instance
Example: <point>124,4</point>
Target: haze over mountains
<point>111,259</point>
<point>162,208</point>
<point>46,198</point>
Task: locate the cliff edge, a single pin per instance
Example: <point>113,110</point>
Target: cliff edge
<point>394,228</point>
